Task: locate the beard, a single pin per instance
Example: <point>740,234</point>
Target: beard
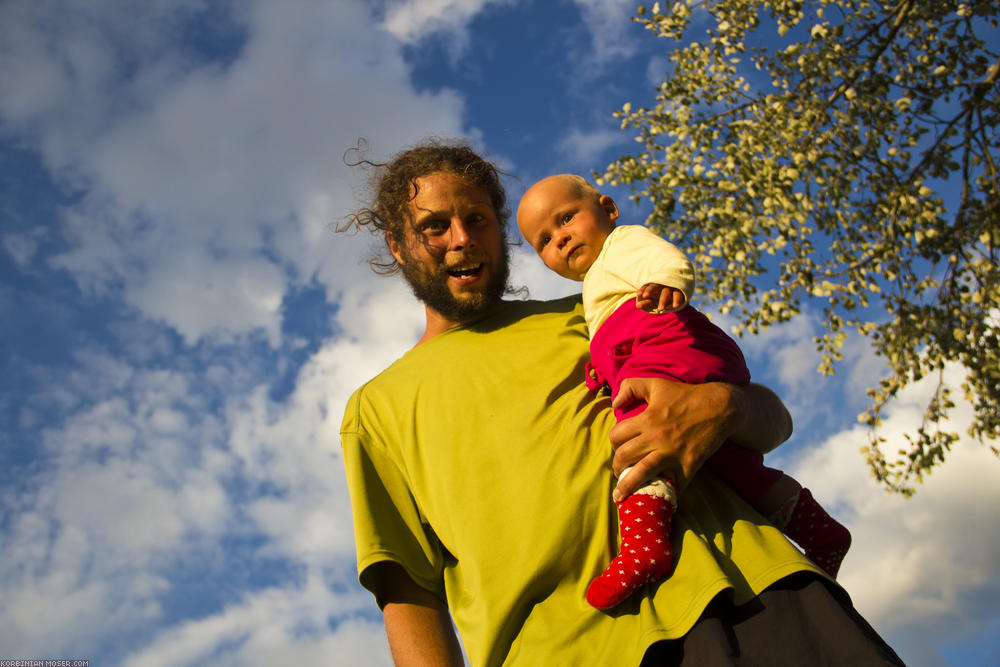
<point>431,286</point>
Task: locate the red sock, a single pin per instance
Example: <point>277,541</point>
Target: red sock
<point>822,537</point>
<point>644,521</point>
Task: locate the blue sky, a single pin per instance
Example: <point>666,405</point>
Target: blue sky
<point>180,328</point>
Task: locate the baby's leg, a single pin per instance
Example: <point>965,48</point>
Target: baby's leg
<point>646,555</point>
<point>824,539</point>
<point>791,508</point>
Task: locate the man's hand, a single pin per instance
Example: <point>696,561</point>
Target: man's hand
<point>681,427</point>
<point>656,298</point>
<point>684,424</point>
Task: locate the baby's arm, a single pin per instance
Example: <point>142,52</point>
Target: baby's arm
<point>656,298</point>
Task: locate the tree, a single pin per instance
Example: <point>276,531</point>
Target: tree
<point>842,155</point>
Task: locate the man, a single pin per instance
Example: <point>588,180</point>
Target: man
<point>477,465</point>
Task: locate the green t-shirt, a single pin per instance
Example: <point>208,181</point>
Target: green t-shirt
<point>480,462</point>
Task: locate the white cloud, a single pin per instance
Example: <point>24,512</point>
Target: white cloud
<point>130,514</point>
<point>381,315</point>
<point>656,71</point>
<point>294,445</point>
<point>587,147</point>
<point>200,295</point>
<point>923,570</point>
<point>785,357</point>
<point>141,482</point>
<point>795,366</point>
<point>527,270</point>
<point>131,485</point>
<point>413,20</point>
<point>303,625</point>
<point>606,21</point>
<point>190,171</point>
<point>920,569</point>
<point>609,22</point>
<point>22,247</point>
<point>205,193</point>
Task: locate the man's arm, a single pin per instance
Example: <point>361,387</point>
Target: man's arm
<point>417,622</point>
<point>684,424</point>
<point>765,422</point>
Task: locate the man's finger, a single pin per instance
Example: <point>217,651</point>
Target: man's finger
<point>636,476</point>
<point>626,396</point>
<point>648,468</point>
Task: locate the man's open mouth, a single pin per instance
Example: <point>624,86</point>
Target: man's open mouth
<point>466,270</point>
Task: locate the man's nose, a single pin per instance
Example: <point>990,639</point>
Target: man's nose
<point>461,235</point>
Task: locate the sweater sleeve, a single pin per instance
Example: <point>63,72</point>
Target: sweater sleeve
<point>637,256</point>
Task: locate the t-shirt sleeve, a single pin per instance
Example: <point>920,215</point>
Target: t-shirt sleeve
<point>388,523</point>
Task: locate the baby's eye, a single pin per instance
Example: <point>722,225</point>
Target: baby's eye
<point>566,218</point>
<point>544,241</point>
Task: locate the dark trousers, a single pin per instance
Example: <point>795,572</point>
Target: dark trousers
<point>798,621</point>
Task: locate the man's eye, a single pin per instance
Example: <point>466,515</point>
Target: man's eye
<point>434,227</point>
<point>476,219</point>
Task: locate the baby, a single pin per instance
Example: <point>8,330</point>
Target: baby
<point>636,288</point>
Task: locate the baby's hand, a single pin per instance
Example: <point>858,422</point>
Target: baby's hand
<point>655,298</point>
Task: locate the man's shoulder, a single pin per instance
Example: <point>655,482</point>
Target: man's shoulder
<point>564,304</point>
<point>386,378</point>
<point>528,318</point>
<point>491,345</point>
<point>510,320</point>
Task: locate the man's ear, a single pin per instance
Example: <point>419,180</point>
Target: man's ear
<point>394,247</point>
<point>609,206</point>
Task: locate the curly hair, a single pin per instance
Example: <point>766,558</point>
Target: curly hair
<point>394,184</point>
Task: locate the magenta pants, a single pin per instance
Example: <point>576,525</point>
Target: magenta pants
<point>683,346</point>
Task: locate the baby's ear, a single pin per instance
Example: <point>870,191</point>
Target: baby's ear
<point>609,206</point>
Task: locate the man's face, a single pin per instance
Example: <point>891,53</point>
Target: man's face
<point>565,228</point>
<point>453,253</point>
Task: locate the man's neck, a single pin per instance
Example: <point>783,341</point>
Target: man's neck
<point>437,323</point>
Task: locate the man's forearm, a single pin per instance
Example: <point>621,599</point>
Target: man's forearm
<point>421,635</point>
<point>417,622</point>
<point>761,420</point>
<point>684,424</point>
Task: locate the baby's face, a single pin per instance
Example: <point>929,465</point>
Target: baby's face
<point>566,229</point>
